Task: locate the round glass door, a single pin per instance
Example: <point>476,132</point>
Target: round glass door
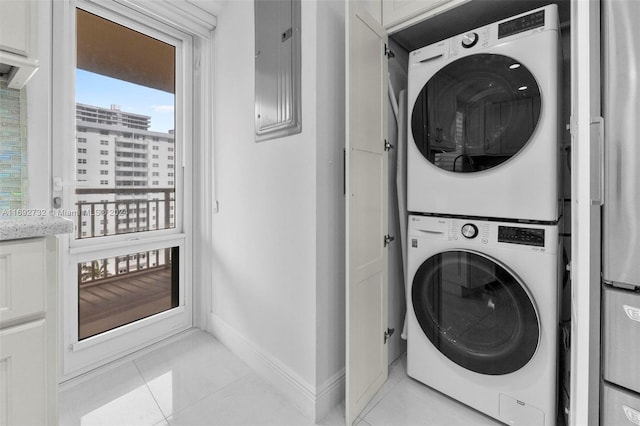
<point>476,113</point>
<point>475,312</point>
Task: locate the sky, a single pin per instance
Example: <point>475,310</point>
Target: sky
<point>98,90</point>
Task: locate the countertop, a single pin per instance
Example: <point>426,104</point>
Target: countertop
<point>17,227</point>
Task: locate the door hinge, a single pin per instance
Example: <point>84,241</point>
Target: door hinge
<point>388,146</point>
<point>387,52</point>
<point>387,239</point>
<point>388,333</point>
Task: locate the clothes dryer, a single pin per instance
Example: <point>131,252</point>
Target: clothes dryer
<point>483,303</point>
<point>483,125</point>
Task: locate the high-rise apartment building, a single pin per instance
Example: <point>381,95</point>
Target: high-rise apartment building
<point>124,167</point>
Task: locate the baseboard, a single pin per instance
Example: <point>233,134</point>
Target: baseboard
<point>330,394</point>
<point>314,402</point>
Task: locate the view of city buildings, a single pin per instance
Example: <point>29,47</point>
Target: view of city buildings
<point>125,182</point>
<point>125,173</point>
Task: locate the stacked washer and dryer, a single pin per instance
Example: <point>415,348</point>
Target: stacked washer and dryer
<point>484,256</point>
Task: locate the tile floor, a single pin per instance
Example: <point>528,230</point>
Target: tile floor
<point>194,380</point>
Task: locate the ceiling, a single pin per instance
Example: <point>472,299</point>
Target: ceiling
<point>468,16</point>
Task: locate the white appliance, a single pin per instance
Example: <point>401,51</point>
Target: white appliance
<point>483,121</point>
<point>483,305</point>
<point>620,339</point>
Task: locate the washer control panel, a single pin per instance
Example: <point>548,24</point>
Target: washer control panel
<point>525,236</point>
<point>481,234</point>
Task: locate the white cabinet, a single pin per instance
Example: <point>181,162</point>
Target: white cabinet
<point>16,26</point>
<point>398,14</point>
<point>19,39</point>
<point>28,331</point>
<point>23,382</point>
<point>22,289</point>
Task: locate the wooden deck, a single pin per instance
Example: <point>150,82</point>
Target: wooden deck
<point>116,301</point>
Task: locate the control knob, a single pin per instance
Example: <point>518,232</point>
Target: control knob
<point>469,40</point>
<point>469,230</point>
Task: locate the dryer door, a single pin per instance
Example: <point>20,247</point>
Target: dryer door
<point>475,312</point>
<point>476,113</point>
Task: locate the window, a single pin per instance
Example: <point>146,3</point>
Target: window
<point>170,183</point>
<point>152,74</point>
<point>82,150</point>
<point>170,149</point>
<point>82,140</point>
<point>82,172</point>
<point>169,166</point>
<point>155,156</point>
<point>170,157</point>
<point>82,161</point>
<point>170,174</point>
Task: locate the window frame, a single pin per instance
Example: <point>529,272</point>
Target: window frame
<point>199,178</point>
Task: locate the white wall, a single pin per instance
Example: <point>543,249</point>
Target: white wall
<point>39,116</point>
<point>330,200</point>
<point>278,238</point>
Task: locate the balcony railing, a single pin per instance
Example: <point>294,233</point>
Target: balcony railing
<point>120,216</point>
<point>114,291</point>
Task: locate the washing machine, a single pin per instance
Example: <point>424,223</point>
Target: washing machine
<point>484,121</point>
<point>482,323</point>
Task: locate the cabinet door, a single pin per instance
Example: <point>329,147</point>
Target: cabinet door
<point>366,215</point>
<point>22,279</point>
<point>15,26</point>
<point>23,386</point>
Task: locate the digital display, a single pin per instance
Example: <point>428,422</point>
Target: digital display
<point>523,23</point>
<point>525,236</point>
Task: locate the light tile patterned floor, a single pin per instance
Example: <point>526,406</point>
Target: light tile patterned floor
<point>194,380</point>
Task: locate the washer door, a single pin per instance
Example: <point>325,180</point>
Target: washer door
<point>476,113</point>
<point>475,312</point>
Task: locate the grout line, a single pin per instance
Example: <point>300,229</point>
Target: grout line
<point>364,413</point>
<point>192,404</point>
<point>166,419</point>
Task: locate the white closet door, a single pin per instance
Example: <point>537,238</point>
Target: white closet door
<point>366,209</point>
